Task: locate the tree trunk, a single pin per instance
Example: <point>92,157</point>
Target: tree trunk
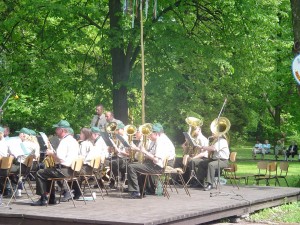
<point>295,6</point>
<point>120,64</point>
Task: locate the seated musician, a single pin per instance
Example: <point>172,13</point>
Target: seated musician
<point>28,145</point>
<point>3,153</point>
<point>207,168</point>
<point>158,151</point>
<point>67,151</point>
<point>3,144</point>
<point>197,155</point>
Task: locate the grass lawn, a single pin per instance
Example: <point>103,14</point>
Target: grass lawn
<point>247,165</point>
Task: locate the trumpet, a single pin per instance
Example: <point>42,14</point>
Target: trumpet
<point>130,130</point>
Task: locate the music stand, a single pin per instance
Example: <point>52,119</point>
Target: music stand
<point>192,142</point>
<point>126,145</point>
<point>109,142</point>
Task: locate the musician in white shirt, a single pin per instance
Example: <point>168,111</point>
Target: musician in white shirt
<point>67,151</point>
<point>207,168</point>
<point>155,157</point>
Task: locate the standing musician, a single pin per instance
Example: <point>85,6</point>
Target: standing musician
<point>159,148</point>
<point>99,119</point>
<point>201,155</point>
<point>67,151</point>
<point>208,167</point>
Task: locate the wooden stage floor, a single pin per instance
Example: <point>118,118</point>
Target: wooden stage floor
<point>117,208</point>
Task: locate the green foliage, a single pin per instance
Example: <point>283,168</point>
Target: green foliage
<point>57,56</point>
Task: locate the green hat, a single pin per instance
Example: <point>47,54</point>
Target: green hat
<point>120,125</point>
<point>157,127</point>
<point>95,130</point>
<point>71,131</point>
<point>2,129</point>
<point>32,132</point>
<point>24,130</point>
<point>62,124</point>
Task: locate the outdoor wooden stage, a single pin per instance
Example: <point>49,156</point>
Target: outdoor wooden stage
<point>117,208</point>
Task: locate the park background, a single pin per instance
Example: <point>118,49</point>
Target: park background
<point>62,58</point>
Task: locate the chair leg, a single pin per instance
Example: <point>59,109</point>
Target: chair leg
<point>80,191</point>
<point>89,186</point>
<point>286,182</point>
<point>146,178</point>
<point>99,187</point>
<point>69,189</point>
<point>30,185</point>
<point>166,193</point>
<point>168,179</point>
<point>51,186</point>
<point>184,185</point>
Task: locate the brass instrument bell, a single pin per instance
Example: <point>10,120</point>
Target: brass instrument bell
<point>193,122</point>
<point>220,126</point>
<point>130,130</point>
<point>146,130</point>
<point>111,127</point>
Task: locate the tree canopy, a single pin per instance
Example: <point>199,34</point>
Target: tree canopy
<point>64,57</point>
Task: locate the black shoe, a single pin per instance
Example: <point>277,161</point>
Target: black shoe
<point>76,197</point>
<point>112,184</point>
<point>40,202</point>
<point>208,187</point>
<point>135,195</point>
<point>53,201</point>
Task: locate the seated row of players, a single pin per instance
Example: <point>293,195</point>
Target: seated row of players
<point>20,148</point>
<point>93,145</point>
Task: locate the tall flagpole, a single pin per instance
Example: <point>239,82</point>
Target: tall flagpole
<point>143,62</point>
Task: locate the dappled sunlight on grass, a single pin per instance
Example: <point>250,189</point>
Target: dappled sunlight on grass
<point>248,166</point>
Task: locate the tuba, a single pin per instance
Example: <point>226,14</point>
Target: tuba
<point>130,130</point>
<point>220,126</point>
<point>193,123</point>
<point>111,127</point>
<point>146,130</point>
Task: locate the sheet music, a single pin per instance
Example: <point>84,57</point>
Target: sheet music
<point>107,139</point>
<point>190,140</point>
<point>123,141</point>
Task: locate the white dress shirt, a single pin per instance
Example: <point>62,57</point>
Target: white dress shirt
<point>67,150</point>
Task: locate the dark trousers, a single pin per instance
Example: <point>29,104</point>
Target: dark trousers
<point>42,175</point>
<point>288,153</point>
<point>207,168</point>
<point>121,164</point>
<point>135,168</point>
